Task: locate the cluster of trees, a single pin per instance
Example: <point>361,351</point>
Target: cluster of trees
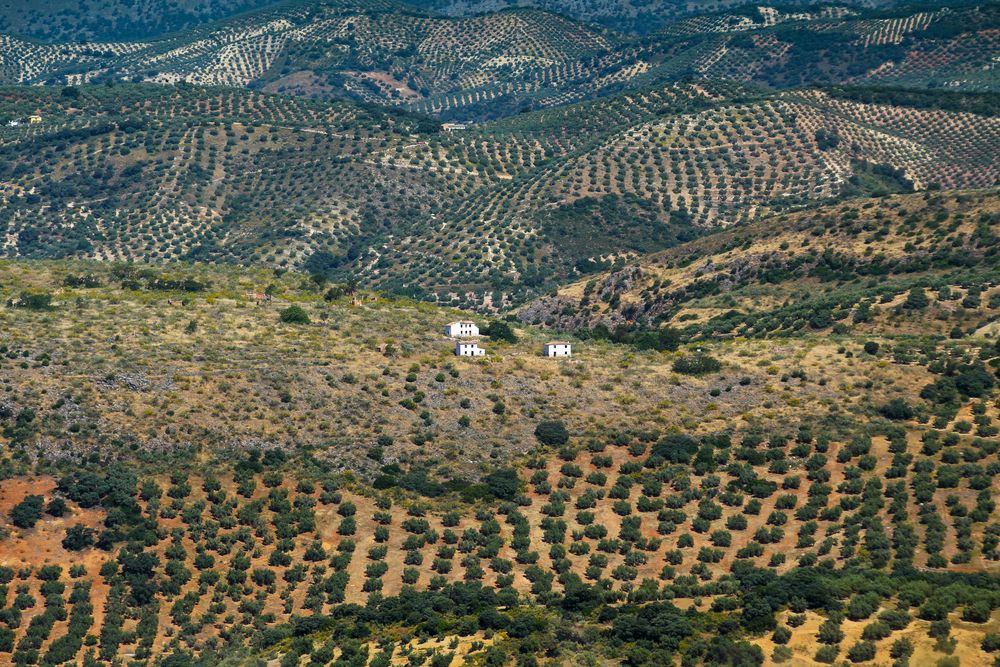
<point>116,491</point>
<point>983,102</point>
<point>661,339</point>
<point>32,300</point>
<point>696,364</point>
<point>500,331</point>
<point>132,277</point>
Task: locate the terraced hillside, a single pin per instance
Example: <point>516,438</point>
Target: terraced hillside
<point>71,21</point>
<point>369,51</point>
<point>859,266</point>
<point>193,468</point>
<point>641,18</point>
<point>484,217</point>
<point>943,47</point>
<point>497,65</point>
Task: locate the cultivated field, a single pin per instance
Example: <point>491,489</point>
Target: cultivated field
<point>480,217</point>
<point>254,472</point>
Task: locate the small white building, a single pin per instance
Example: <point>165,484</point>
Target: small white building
<point>453,127</point>
<point>557,349</point>
<point>461,329</point>
<point>469,349</point>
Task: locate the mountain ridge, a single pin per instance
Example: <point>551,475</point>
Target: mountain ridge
<point>497,65</point>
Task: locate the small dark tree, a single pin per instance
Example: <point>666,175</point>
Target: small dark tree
<point>916,299</point>
<point>897,408</point>
<point>499,330</point>
<point>861,652</point>
<point>78,538</point>
<point>552,432</point>
<point>27,512</point>
<point>56,507</point>
<point>503,484</point>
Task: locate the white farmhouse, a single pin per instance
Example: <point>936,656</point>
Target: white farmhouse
<point>466,349</point>
<point>557,349</point>
<point>461,329</point>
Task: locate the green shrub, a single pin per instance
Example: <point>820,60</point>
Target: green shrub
<point>696,364</point>
<point>294,315</point>
<point>827,654</point>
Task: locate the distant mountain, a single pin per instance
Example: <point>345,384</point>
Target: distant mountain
<point>501,64</point>
<point>632,17</point>
<point>486,216</point>
<point>112,20</point>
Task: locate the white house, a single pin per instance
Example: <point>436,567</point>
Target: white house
<point>463,349</point>
<point>461,329</point>
<point>557,349</point>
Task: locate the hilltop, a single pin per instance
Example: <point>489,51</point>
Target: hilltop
<point>176,340</point>
<point>640,18</point>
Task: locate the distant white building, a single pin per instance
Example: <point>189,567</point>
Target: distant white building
<point>453,127</point>
<point>557,349</point>
<point>465,349</point>
<point>461,329</point>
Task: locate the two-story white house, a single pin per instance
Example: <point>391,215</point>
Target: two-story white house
<point>557,349</point>
<point>461,329</point>
<point>468,349</point>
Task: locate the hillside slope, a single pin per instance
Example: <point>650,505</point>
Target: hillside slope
<point>849,267</point>
<point>631,17</point>
<point>112,20</point>
<point>500,64</point>
<point>189,472</point>
<point>484,217</point>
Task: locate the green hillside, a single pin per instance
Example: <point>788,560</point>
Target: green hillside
<point>918,264</point>
<point>500,64</point>
<point>484,217</point>
<point>112,20</point>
